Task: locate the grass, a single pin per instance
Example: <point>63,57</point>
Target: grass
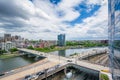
<point>4,56</point>
<point>104,77</point>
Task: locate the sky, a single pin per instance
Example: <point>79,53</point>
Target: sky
<point>45,19</point>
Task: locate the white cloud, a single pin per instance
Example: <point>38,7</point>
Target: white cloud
<point>96,24</point>
<point>41,20</point>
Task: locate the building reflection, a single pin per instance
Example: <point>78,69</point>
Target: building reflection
<point>114,37</point>
<point>62,52</point>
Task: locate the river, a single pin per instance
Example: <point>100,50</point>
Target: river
<point>15,62</point>
<point>68,52</point>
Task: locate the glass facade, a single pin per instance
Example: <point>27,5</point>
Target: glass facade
<point>114,37</point>
<point>61,40</point>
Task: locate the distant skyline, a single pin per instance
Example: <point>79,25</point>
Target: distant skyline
<point>45,19</point>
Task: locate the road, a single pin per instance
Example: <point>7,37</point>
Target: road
<point>63,60</point>
<point>19,74</point>
<point>48,62</point>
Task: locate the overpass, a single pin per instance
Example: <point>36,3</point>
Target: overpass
<point>63,60</point>
<point>48,62</point>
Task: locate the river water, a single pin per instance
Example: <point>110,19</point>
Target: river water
<point>14,62</point>
<point>68,52</point>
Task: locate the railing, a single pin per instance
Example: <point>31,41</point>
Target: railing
<point>24,68</point>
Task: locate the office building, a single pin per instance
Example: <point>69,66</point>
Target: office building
<point>61,40</point>
<point>7,37</point>
<point>114,37</point>
<point>7,45</point>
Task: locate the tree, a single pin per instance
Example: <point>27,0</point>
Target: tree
<point>30,47</point>
<point>13,50</point>
<point>2,51</point>
<point>52,47</point>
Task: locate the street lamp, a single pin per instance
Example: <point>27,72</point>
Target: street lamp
<point>75,57</point>
<point>46,74</point>
<point>59,58</point>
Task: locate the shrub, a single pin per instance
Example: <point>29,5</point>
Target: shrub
<point>13,50</point>
<point>30,47</point>
<point>104,77</point>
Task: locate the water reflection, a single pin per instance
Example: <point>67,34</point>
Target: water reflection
<point>68,52</point>
<point>15,62</point>
<point>62,52</point>
<point>114,37</point>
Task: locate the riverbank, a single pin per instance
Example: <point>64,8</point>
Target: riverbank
<point>47,50</point>
<point>57,48</point>
<point>8,55</point>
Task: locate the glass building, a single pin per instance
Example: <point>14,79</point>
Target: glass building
<point>114,37</point>
<point>61,40</point>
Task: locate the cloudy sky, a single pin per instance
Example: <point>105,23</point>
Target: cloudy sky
<point>45,19</point>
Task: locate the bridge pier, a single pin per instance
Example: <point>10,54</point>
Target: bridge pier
<point>30,55</point>
<point>37,57</point>
<point>65,70</point>
<point>21,52</point>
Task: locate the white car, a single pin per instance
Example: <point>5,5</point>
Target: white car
<point>34,77</point>
<point>10,71</point>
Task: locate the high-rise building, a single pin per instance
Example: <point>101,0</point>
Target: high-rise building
<point>7,37</point>
<point>61,40</point>
<point>114,37</point>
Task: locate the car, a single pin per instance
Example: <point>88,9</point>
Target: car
<point>50,69</point>
<point>69,60</point>
<point>58,65</point>
<point>34,77</point>
<point>10,71</point>
<point>40,73</point>
<point>28,77</point>
<point>2,74</point>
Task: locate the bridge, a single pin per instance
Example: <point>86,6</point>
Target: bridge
<point>49,62</point>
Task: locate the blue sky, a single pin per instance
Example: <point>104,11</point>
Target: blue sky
<point>45,19</point>
<point>82,8</point>
<point>84,13</point>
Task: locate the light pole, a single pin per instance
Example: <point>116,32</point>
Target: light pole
<point>59,58</point>
<point>88,56</point>
<point>76,59</point>
<point>46,74</point>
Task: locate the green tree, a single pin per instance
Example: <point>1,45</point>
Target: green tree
<point>52,47</point>
<point>104,77</point>
<point>2,51</point>
<point>30,47</point>
<point>13,50</point>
